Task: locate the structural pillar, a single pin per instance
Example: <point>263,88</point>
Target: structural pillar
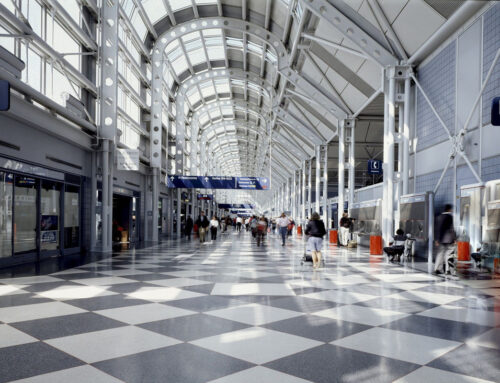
<point>350,123</point>
<point>326,213</point>
<point>341,171</point>
<point>318,178</point>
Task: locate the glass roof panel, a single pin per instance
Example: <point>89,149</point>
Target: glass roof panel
<point>177,5</point>
<point>154,9</point>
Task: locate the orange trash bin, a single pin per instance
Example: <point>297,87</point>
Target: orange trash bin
<point>463,251</point>
<point>299,230</point>
<point>334,236</point>
<point>376,245</point>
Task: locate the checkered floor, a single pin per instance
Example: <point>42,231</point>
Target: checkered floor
<point>231,312</point>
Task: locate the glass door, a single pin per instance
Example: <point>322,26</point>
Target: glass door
<point>50,216</point>
<point>6,193</point>
<point>25,213</point>
<point>71,217</point>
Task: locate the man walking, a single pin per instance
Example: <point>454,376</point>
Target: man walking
<point>188,227</point>
<point>203,224</point>
<point>344,226</point>
<point>445,238</point>
<point>282,223</point>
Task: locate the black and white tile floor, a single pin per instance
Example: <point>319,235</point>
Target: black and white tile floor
<point>230,312</point>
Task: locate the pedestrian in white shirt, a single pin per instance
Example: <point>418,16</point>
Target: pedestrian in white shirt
<point>214,225</point>
<point>282,222</point>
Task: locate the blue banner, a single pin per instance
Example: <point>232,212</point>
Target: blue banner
<point>216,182</point>
<point>235,206</point>
<point>374,167</point>
<point>205,197</point>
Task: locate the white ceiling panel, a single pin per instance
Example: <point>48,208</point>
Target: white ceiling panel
<point>415,24</point>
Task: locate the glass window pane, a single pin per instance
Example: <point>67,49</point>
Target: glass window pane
<point>6,214</point>
<point>50,215</point>
<point>25,214</point>
<point>71,216</point>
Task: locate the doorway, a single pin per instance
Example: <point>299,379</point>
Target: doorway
<point>122,209</point>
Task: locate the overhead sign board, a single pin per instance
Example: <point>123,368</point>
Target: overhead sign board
<point>205,197</point>
<point>216,182</point>
<point>127,159</point>
<point>4,95</point>
<point>236,206</point>
<point>374,167</point>
<point>252,183</point>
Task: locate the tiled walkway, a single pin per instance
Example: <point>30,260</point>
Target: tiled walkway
<point>231,312</point>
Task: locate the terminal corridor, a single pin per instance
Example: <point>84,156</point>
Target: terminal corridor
<point>231,312</point>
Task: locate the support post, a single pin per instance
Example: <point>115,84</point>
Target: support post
<point>318,178</point>
<point>309,188</point>
<point>389,130</point>
<point>326,213</point>
<point>406,136</point>
<point>304,196</point>
<point>350,123</point>
<point>341,171</point>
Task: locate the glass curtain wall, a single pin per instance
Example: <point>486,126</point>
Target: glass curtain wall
<point>25,222</point>
<point>6,191</point>
<point>50,215</point>
<point>71,217</point>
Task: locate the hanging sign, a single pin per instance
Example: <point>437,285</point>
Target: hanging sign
<point>252,183</point>
<point>205,197</point>
<point>216,182</point>
<point>374,167</point>
<point>241,206</point>
<point>4,95</point>
<point>495,112</point>
<point>127,159</point>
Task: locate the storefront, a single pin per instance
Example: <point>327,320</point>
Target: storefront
<point>126,205</point>
<point>40,213</point>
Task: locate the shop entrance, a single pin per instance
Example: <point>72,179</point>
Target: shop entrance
<point>122,218</point>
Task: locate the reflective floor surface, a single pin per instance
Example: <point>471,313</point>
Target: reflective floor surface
<point>232,312</point>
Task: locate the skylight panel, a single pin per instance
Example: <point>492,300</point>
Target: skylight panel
<point>180,65</point>
<point>154,9</point>
<point>216,53</point>
<point>177,5</point>
<point>197,56</point>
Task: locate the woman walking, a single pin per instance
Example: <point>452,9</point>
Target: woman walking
<point>315,229</point>
<point>214,225</point>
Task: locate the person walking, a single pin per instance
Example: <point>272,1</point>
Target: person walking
<point>345,226</point>
<point>188,227</point>
<point>214,225</point>
<point>239,222</point>
<point>261,230</point>
<point>282,223</point>
<point>315,229</point>
<point>446,237</point>
<point>203,224</point>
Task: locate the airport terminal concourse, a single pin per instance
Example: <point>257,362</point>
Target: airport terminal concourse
<point>249,191</point>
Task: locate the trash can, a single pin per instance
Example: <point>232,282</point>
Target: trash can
<point>376,245</point>
<point>334,237</point>
<point>463,251</point>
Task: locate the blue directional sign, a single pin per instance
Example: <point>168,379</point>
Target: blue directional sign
<point>495,112</point>
<point>215,182</point>
<point>205,197</point>
<point>235,206</point>
<point>374,167</point>
<point>4,95</point>
<point>252,183</point>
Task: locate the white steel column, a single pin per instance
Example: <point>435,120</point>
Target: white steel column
<point>179,204</point>
<point>326,213</point>
<point>309,188</point>
<point>108,111</point>
<point>303,191</point>
<point>351,123</point>
<point>406,136</point>
<point>318,178</point>
<point>341,171</point>
<point>389,130</point>
<point>294,195</point>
